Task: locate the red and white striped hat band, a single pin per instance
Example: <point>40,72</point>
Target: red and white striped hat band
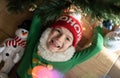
<point>16,42</point>
<point>72,24</point>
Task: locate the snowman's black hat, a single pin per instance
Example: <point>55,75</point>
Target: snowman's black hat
<point>25,24</point>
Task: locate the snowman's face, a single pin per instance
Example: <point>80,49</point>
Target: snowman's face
<point>22,33</point>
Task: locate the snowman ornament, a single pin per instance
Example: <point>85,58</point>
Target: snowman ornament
<point>12,49</point>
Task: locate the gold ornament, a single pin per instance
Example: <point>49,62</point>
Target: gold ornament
<point>32,7</point>
<point>34,60</point>
<point>50,67</point>
<point>30,71</point>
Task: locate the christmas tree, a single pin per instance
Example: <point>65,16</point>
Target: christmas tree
<point>51,9</point>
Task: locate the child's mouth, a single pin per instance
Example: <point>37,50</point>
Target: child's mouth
<point>55,43</point>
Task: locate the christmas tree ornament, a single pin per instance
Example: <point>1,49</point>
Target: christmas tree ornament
<point>49,66</point>
<point>108,24</point>
<point>32,7</point>
<point>112,40</point>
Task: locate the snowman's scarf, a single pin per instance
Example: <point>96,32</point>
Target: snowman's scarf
<point>17,41</point>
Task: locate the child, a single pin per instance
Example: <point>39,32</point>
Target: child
<point>55,48</point>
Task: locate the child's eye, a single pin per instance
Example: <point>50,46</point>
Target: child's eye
<point>58,30</point>
<point>68,39</point>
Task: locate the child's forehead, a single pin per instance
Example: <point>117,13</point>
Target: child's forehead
<point>64,30</point>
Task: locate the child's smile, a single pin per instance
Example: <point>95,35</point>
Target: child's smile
<point>59,39</point>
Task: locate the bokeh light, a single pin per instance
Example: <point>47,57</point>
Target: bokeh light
<point>44,72</point>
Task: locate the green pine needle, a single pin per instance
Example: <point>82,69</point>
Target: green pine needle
<point>52,9</point>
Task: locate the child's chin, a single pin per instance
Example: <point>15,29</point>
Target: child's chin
<point>51,49</point>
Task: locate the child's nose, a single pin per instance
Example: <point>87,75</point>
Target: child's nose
<point>61,38</point>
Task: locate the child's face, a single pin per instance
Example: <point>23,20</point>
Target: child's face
<point>59,40</point>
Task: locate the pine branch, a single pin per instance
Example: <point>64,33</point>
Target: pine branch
<point>16,6</point>
<point>52,9</point>
<point>104,9</point>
